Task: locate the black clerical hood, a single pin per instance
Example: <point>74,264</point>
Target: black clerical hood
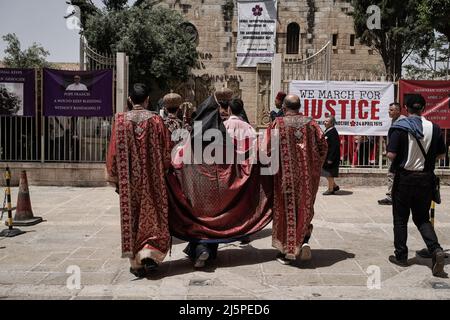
<point>208,114</point>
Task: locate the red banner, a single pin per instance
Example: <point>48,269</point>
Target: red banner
<point>437,96</point>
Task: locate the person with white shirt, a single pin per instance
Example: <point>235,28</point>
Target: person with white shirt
<point>414,145</point>
<point>77,85</point>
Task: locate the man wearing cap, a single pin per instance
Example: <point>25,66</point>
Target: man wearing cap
<point>138,159</point>
<point>414,145</point>
<point>278,112</point>
<point>171,103</point>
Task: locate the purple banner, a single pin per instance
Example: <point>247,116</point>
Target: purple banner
<point>17,92</point>
<point>78,93</point>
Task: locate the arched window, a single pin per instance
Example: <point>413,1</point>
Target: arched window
<point>191,30</point>
<point>293,38</point>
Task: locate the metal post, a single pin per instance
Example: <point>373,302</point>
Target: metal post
<point>380,152</point>
<point>82,64</point>
<point>42,119</point>
<point>121,85</point>
<point>275,76</point>
<point>10,232</point>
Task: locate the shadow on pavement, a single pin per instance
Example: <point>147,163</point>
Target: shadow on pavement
<point>343,193</point>
<point>247,256</point>
<point>322,258</point>
<point>427,262</point>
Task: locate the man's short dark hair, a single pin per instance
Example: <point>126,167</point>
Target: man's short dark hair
<point>396,104</point>
<point>415,102</point>
<point>236,106</point>
<point>292,105</point>
<point>139,93</point>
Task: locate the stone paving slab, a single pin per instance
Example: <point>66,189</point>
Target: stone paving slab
<point>352,236</point>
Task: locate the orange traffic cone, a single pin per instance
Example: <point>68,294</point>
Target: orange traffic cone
<point>24,213</point>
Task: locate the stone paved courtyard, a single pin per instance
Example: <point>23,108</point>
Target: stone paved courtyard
<point>352,233</point>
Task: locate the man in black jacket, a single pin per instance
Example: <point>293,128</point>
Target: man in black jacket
<point>278,111</point>
<point>330,168</point>
<point>414,145</point>
<point>395,113</point>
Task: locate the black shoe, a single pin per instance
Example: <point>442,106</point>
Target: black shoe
<point>385,202</point>
<point>336,188</point>
<point>245,240</point>
<point>438,263</point>
<point>401,263</point>
<point>281,258</point>
<point>328,193</point>
<point>138,273</point>
<point>149,264</point>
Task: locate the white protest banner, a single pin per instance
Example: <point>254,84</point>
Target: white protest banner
<point>360,108</point>
<point>257,27</point>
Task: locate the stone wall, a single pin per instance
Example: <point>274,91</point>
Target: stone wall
<point>93,175</point>
<point>56,174</point>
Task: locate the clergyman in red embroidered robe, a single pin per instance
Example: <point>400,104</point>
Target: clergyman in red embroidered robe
<point>303,149</point>
<point>138,157</point>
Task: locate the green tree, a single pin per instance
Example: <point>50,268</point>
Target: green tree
<point>400,32</point>
<point>115,5</point>
<point>436,14</point>
<point>432,64</point>
<point>153,38</point>
<point>32,57</point>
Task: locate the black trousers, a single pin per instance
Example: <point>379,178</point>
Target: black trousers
<point>194,249</point>
<point>412,192</point>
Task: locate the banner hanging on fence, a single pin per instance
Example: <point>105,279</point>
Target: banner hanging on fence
<point>257,29</point>
<point>360,108</point>
<point>17,92</point>
<point>437,96</point>
<point>78,93</point>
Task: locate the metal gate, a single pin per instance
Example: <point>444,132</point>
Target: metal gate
<point>315,67</point>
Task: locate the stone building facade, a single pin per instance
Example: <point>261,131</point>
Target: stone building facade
<point>214,25</point>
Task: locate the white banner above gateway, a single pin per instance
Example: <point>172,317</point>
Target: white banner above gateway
<point>360,108</point>
<point>257,29</point>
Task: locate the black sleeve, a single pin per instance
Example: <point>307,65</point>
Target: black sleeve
<point>333,147</point>
<point>273,115</point>
<point>394,141</point>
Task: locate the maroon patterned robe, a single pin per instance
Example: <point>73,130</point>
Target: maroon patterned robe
<point>139,155</point>
<point>303,149</point>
